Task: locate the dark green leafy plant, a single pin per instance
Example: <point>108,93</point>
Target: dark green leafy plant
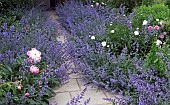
<point>134,34</point>
<point>129,4</point>
<point>158,11</point>
<point>167,2</point>
<point>159,58</point>
<point>6,5</point>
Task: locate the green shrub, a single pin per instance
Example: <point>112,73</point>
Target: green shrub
<point>138,39</point>
<point>120,38</point>
<point>6,5</point>
<point>13,17</point>
<point>167,2</point>
<point>137,45</point>
<point>158,58</point>
<point>158,11</point>
<point>129,4</point>
<point>9,20</point>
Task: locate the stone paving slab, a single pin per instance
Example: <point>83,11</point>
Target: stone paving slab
<point>60,99</point>
<point>72,85</point>
<point>75,76</point>
<point>94,95</point>
<point>61,38</point>
<point>111,95</point>
<point>82,84</point>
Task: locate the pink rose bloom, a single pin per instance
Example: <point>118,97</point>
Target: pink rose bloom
<point>97,4</point>
<point>161,23</point>
<point>34,69</point>
<point>150,28</point>
<point>161,36</point>
<point>27,94</point>
<point>39,59</point>
<point>19,87</point>
<point>31,60</point>
<point>156,27</point>
<point>164,33</point>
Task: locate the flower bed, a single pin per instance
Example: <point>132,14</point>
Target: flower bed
<point>32,61</point>
<point>113,53</point>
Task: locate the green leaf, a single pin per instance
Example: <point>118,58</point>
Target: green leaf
<point>20,59</point>
<point>1,92</point>
<point>113,104</point>
<point>155,60</point>
<point>8,88</point>
<point>32,102</point>
<point>6,69</point>
<point>13,89</point>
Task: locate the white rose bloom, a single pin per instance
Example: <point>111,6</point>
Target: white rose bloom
<point>112,31</point>
<point>103,43</point>
<point>92,37</point>
<point>136,32</point>
<point>34,54</point>
<point>158,42</point>
<point>145,22</point>
<point>157,20</point>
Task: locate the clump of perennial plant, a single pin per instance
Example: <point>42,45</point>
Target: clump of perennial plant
<point>32,60</point>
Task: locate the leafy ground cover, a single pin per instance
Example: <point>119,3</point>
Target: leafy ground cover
<point>112,51</point>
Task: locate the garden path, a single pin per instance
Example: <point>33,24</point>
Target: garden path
<point>76,85</point>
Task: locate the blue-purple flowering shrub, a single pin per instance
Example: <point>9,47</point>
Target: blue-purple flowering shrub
<point>76,100</point>
<point>32,61</point>
<point>79,19</point>
<point>152,80</point>
<point>140,81</point>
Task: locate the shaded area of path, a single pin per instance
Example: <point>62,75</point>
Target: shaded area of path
<point>76,85</point>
